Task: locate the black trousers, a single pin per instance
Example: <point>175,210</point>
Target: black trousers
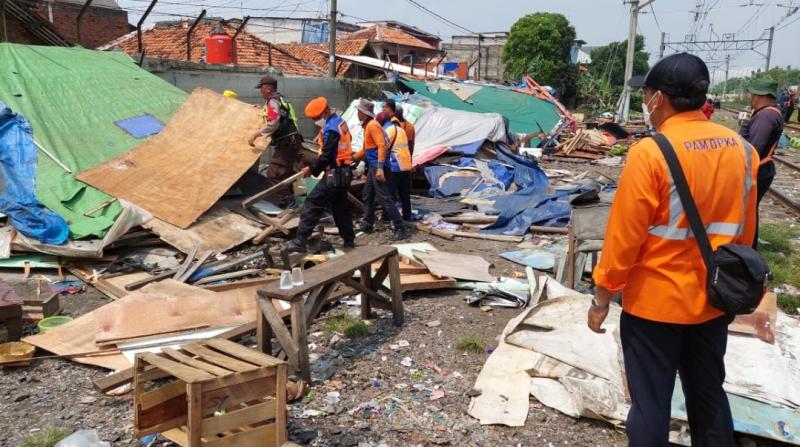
<point>653,353</point>
<point>400,187</point>
<point>317,202</point>
<point>762,187</point>
<point>375,190</point>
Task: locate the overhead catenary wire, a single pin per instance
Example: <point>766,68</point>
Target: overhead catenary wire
<point>444,20</point>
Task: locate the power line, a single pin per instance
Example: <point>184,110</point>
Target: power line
<point>440,18</point>
<point>209,6</point>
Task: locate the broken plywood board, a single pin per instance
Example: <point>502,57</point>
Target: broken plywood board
<point>218,231</point>
<point>113,287</point>
<point>180,173</point>
<point>424,281</point>
<point>170,306</point>
<point>455,265</point>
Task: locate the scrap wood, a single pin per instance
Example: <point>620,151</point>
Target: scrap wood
<point>231,275</point>
<point>248,202</point>
<point>435,231</point>
<point>288,220</point>
<point>180,173</point>
<point>184,277</point>
<point>218,230</point>
<point>170,307</point>
<point>489,237</point>
<point>186,262</point>
<point>455,265</point>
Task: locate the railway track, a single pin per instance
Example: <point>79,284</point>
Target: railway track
<point>788,126</point>
<point>784,186</point>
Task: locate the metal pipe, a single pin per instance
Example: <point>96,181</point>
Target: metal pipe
<point>189,35</point>
<point>80,17</point>
<point>141,22</point>
<point>235,35</point>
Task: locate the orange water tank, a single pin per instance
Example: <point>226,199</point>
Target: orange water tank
<point>219,48</point>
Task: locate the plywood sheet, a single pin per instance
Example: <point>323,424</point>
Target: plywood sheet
<point>455,265</point>
<point>424,281</point>
<point>168,307</point>
<point>180,173</point>
<point>218,230</point>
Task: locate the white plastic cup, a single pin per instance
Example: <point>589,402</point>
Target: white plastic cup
<point>286,280</point>
<point>297,276</point>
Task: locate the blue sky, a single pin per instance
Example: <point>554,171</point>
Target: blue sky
<point>596,21</point>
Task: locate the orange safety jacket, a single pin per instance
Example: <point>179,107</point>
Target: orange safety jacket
<point>335,123</point>
<point>649,252</point>
<point>399,152</point>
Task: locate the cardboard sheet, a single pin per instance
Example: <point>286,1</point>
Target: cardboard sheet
<point>180,173</point>
<point>760,323</point>
<point>218,230</point>
<point>467,267</point>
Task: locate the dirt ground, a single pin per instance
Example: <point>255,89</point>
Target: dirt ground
<point>379,390</point>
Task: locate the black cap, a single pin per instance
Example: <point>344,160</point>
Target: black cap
<point>267,80</point>
<point>681,74</point>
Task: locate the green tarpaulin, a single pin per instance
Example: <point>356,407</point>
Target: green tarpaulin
<point>73,97</point>
<point>523,111</point>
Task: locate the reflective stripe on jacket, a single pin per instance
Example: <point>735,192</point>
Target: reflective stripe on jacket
<point>399,153</point>
<point>649,252</point>
<point>336,124</point>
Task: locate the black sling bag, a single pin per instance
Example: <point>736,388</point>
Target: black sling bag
<point>737,274</point>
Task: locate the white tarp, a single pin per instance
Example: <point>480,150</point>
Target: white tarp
<point>437,129</point>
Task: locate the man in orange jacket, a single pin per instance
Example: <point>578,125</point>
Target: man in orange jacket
<point>650,255</point>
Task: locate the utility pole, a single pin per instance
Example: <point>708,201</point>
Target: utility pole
<point>478,75</point>
<point>769,47</point>
<point>725,84</point>
<point>662,47</point>
<point>332,42</point>
<point>624,106</point>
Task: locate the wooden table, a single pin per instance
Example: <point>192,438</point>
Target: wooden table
<point>319,282</point>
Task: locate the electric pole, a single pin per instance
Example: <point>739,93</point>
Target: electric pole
<point>624,105</point>
<point>662,46</point>
<point>769,47</point>
<point>725,84</point>
<point>332,42</point>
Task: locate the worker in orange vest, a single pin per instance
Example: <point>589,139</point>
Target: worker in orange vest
<point>400,161</point>
<point>763,130</point>
<point>334,158</point>
<point>375,154</point>
<point>668,325</point>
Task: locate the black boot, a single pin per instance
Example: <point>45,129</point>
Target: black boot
<point>348,245</point>
<point>295,246</point>
<point>365,227</point>
<point>400,234</point>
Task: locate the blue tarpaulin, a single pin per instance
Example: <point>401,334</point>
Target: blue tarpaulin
<point>443,185</point>
<point>18,168</point>
<point>526,172</point>
<point>528,207</point>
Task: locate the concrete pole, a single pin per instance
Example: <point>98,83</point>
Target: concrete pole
<point>662,47</point>
<point>725,84</point>
<point>626,92</point>
<point>332,42</point>
<point>769,47</point>
<point>478,76</point>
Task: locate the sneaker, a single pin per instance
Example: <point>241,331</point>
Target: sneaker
<point>400,234</point>
<point>295,246</point>
<point>365,227</point>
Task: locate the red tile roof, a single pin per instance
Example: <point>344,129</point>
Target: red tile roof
<point>170,43</point>
<point>385,34</point>
<point>317,54</point>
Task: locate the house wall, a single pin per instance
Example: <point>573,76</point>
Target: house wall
<point>298,90</point>
<point>401,53</point>
<point>492,66</point>
<point>289,30</point>
<point>98,26</point>
<point>17,33</point>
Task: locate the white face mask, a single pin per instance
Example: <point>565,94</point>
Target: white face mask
<point>320,122</point>
<point>647,113</point>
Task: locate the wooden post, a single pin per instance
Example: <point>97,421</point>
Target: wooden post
<point>366,281</point>
<point>300,336</point>
<point>194,394</point>
<point>395,286</point>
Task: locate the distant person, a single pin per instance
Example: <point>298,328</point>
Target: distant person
<point>375,154</point>
<point>708,108</point>
<point>400,160</point>
<point>334,158</point>
<point>790,104</point>
<point>763,130</point>
<point>396,111</point>
<point>668,325</point>
<point>280,123</point>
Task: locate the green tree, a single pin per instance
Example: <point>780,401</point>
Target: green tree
<point>785,77</point>
<point>539,46</point>
<point>608,62</point>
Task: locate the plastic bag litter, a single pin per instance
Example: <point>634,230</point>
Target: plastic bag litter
<point>83,438</point>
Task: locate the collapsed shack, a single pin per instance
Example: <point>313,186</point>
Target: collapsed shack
<point>174,227</point>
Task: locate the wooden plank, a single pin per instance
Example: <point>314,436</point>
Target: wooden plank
<point>238,418</point>
<point>179,370</point>
<point>232,396</point>
<point>217,358</point>
<point>456,265</point>
<point>366,283</point>
<point>240,378</point>
<point>186,262</point>
<point>258,437</point>
<point>179,173</point>
<point>194,418</point>
<point>195,363</point>
<point>279,329</point>
<point>436,232</point>
<point>177,435</point>
<point>329,271</point>
<point>380,274</point>
<point>397,293</point>
<point>258,196</point>
<point>425,282</point>
<point>488,237</point>
<point>313,307</point>
<point>153,278</point>
<point>280,405</point>
<point>150,399</point>
<point>232,275</point>
<point>300,336</point>
<point>218,230</point>
<point>237,285</point>
<point>241,352</point>
<point>188,274</point>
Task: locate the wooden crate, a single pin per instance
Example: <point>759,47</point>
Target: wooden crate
<point>213,393</point>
